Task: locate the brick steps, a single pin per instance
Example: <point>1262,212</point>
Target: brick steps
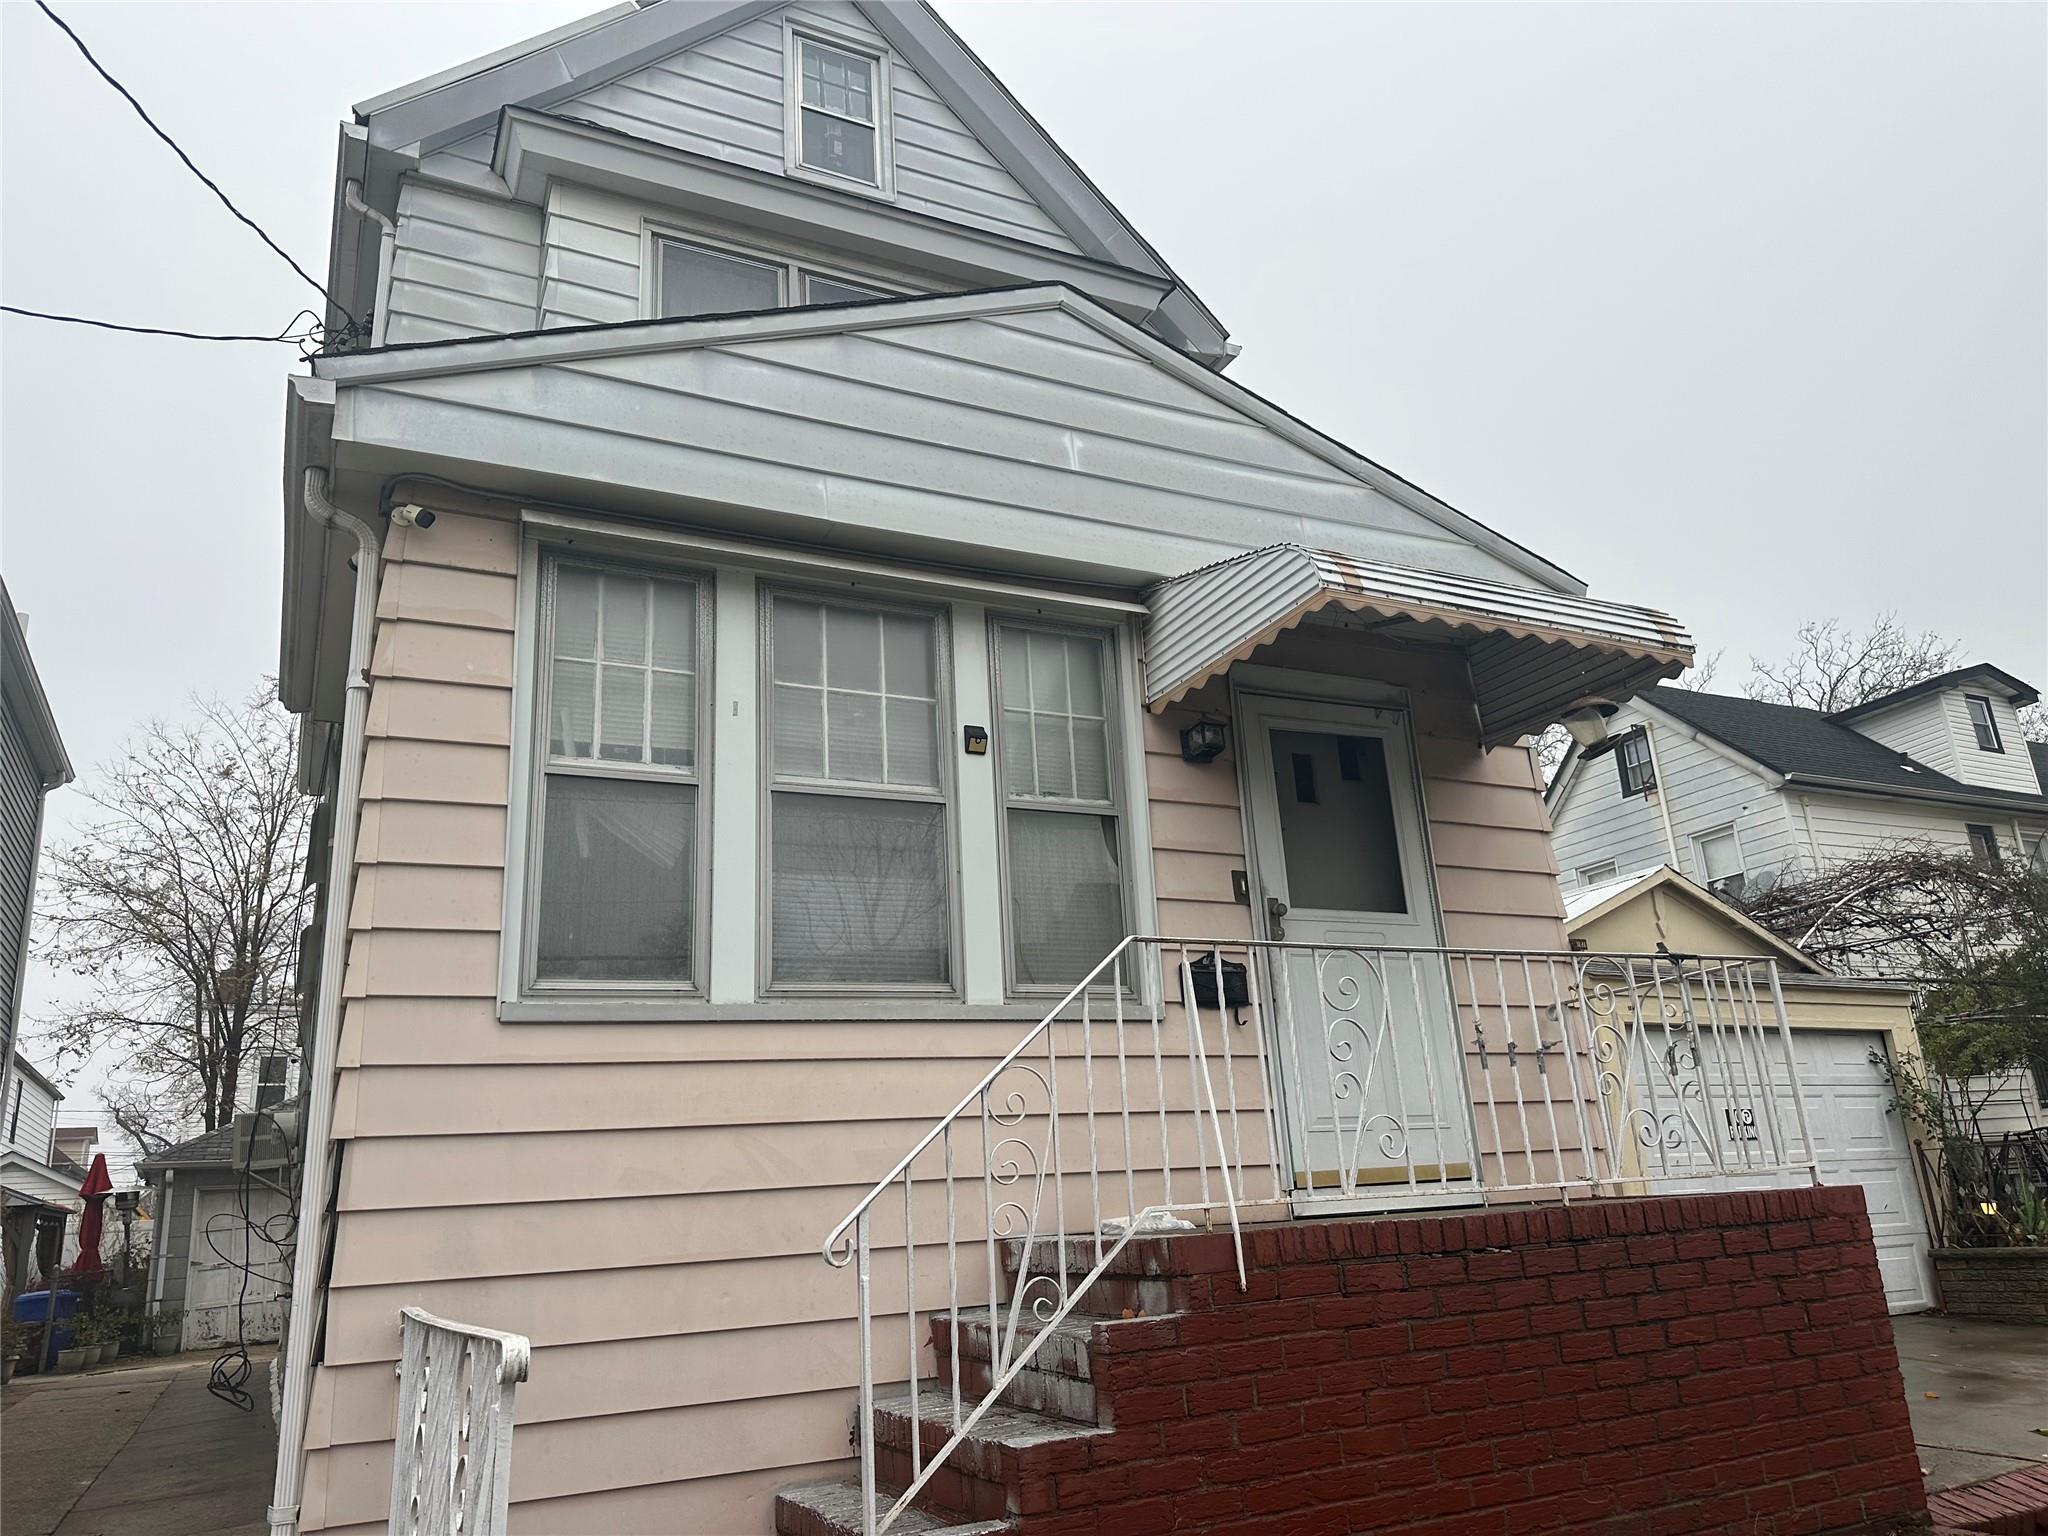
<point>2014,1504</point>
<point>1058,1381</point>
<point>833,1509</point>
<point>1003,1469</point>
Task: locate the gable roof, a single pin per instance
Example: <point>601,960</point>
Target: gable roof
<point>1594,902</point>
<point>1808,746</point>
<point>399,126</point>
<point>2021,693</point>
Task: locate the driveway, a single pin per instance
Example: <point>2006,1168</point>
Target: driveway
<point>1978,1393</point>
<point>142,1450</point>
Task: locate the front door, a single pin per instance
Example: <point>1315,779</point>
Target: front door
<point>1365,1044</point>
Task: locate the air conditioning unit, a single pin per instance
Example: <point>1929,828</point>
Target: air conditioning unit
<point>265,1141</point>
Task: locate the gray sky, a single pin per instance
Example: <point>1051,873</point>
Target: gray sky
<point>1739,310</point>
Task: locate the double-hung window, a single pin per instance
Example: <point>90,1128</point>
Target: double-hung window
<point>1718,857</point>
<point>1984,723</point>
<point>1062,817</point>
<point>1984,845</point>
<point>859,839</point>
<point>620,780</point>
<point>1633,763</point>
<point>693,277</point>
<point>838,107</point>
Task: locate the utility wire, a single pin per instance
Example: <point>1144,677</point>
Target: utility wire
<point>290,334</point>
<point>211,185</point>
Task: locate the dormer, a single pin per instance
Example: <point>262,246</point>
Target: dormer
<point>1963,723</point>
<point>685,158</point>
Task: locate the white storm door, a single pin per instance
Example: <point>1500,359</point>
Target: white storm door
<point>1365,1043</point>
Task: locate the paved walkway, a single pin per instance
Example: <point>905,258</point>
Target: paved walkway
<point>1989,1386</point>
<point>142,1450</point>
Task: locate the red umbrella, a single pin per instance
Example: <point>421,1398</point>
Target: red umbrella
<point>95,1189</point>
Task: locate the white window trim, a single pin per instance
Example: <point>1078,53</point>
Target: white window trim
<point>1699,854</point>
<point>793,38</point>
<point>1117,712</point>
<point>734,570</point>
<point>796,269</point>
<point>1590,876</point>
<point>517,983</point>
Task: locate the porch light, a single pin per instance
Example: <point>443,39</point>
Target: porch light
<point>1202,742</point>
<point>1588,723</point>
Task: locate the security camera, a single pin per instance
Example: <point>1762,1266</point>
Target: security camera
<point>412,515</point>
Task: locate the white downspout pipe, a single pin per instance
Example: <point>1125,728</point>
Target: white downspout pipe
<point>1663,807</point>
<point>158,1259</point>
<point>317,1164</point>
<point>387,249</point>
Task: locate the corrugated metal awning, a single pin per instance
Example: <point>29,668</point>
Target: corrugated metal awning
<point>1533,653</point>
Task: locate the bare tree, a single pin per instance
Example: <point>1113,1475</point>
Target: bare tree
<point>181,904</point>
<point>1555,741</point>
<point>2034,722</point>
<point>1833,667</point>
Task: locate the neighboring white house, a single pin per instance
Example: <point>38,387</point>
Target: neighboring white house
<point>1735,792</point>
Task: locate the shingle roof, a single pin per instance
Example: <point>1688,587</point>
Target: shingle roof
<point>1977,672</point>
<point>1808,744</point>
<point>215,1147</point>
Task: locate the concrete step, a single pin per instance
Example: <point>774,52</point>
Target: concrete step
<point>991,1474</point>
<point>833,1509</point>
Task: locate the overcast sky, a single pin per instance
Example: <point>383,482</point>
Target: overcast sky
<point>1739,310</point>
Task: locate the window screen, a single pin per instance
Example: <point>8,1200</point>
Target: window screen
<point>696,280</point>
<point>1061,809</point>
<point>837,108</point>
<point>620,782</point>
<point>859,842</point>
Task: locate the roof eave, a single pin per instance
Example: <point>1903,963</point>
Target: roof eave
<point>1933,793</point>
<point>23,688</point>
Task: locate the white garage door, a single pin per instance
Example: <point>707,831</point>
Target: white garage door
<point>1859,1140</point>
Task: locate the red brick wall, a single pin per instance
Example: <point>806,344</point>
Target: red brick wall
<point>1690,1365</point>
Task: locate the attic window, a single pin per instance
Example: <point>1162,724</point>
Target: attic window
<point>838,127</point>
<point>1984,723</point>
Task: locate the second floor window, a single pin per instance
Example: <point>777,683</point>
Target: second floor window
<point>698,279</point>
<point>1984,845</point>
<point>1984,723</point>
<point>1632,763</point>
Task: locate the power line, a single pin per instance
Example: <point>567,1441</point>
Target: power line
<point>290,334</point>
<point>211,185</point>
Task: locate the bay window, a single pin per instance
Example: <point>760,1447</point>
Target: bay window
<point>859,837</point>
<point>1062,824</point>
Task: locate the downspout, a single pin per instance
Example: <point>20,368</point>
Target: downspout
<point>387,249</point>
<point>316,1163</point>
<point>158,1259</point>
<point>1663,810</point>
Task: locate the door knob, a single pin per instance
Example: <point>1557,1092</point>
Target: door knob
<point>1275,910</point>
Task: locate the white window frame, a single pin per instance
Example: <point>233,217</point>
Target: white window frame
<point>1597,874</point>
<point>1699,854</point>
<point>794,37</point>
<point>946,796</point>
<point>796,270</point>
<point>1987,726</point>
<point>1990,852</point>
<point>1115,712</point>
<point>526,810</point>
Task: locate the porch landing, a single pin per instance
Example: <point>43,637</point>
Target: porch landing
<point>1684,1365</point>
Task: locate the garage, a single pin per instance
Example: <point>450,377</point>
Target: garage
<point>1843,1032</point>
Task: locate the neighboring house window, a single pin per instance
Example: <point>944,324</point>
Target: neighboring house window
<point>1062,824</point>
<point>858,842</point>
<point>1984,844</point>
<point>839,128</point>
<point>1632,762</point>
<point>620,797</point>
<point>1596,874</point>
<point>270,1081</point>
<point>1984,723</point>
<point>1718,855</point>
<point>694,278</point>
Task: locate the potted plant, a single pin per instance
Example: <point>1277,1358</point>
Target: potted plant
<point>13,1344</point>
<point>86,1333</point>
<point>168,1332</point>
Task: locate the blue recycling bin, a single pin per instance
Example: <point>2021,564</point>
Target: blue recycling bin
<point>33,1307</point>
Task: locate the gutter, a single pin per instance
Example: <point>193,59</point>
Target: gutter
<point>1909,792</point>
<point>387,246</point>
<point>317,1164</point>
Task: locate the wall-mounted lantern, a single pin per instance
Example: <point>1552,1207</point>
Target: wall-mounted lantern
<point>1588,723</point>
<point>1202,742</point>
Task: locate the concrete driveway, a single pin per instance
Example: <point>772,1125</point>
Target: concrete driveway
<point>1978,1393</point>
<point>142,1450</point>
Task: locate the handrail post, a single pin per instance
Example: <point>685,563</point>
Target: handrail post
<point>864,1311</point>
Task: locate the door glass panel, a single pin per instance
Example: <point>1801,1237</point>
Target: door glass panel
<point>1337,822</point>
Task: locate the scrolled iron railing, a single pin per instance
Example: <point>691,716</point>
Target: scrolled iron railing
<point>1211,1079</point>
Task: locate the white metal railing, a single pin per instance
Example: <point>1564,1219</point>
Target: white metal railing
<point>1195,1076</point>
<point>451,1462</point>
